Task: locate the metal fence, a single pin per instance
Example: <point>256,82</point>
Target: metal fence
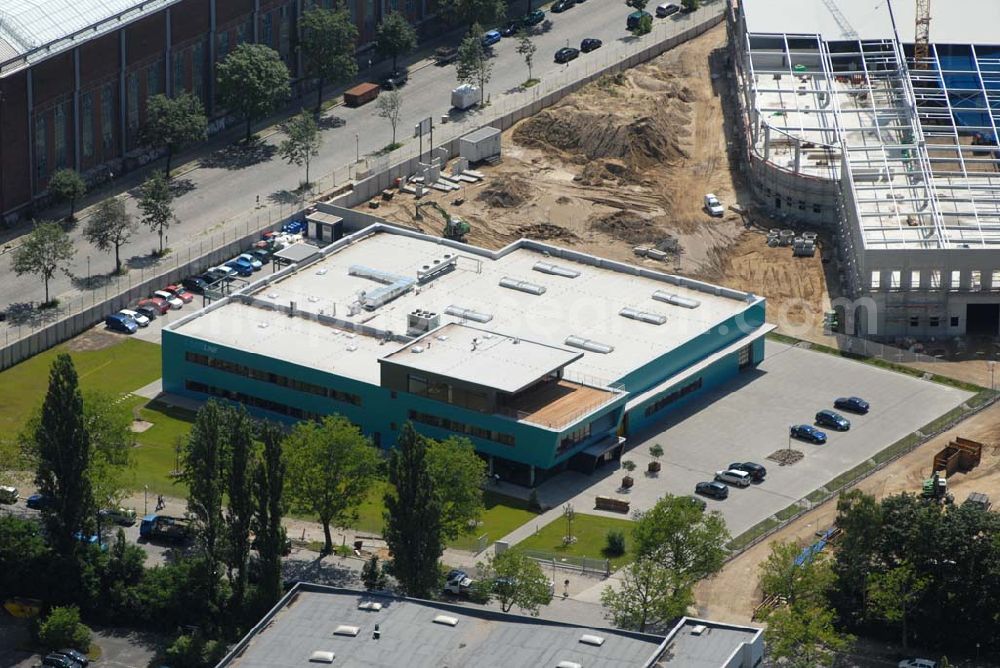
<point>585,565</point>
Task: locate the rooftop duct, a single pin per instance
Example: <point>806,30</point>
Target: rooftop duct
<point>437,266</point>
<point>643,316</point>
<point>523,286</point>
<point>468,314</point>
<point>393,287</point>
<point>555,270</point>
<point>588,345</point>
<point>676,300</point>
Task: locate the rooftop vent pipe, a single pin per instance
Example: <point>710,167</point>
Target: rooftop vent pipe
<point>468,313</point>
<point>643,316</point>
<point>676,300</point>
<point>523,286</point>
<point>555,270</point>
<point>588,345</point>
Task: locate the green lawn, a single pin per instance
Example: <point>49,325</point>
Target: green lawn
<point>155,455</point>
<point>117,369</point>
<point>590,532</point>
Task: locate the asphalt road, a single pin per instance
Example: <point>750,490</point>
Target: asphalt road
<point>223,194</point>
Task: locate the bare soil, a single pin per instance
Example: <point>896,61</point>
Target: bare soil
<point>96,338</point>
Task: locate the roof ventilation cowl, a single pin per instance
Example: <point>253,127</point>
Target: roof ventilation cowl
<point>555,270</point>
<point>523,286</point>
<point>643,316</point>
<point>588,345</point>
<point>675,299</point>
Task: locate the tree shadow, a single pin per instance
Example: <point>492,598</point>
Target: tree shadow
<point>148,640</point>
<point>239,156</point>
<point>331,571</point>
<point>26,313</point>
<point>181,187</point>
<point>284,196</point>
<point>542,28</point>
<point>92,282</point>
<point>143,261</point>
<point>330,122</point>
<point>628,39</point>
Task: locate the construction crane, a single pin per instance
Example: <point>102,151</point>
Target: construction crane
<point>455,228</point>
<point>922,38</point>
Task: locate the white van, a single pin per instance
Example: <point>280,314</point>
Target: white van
<point>733,477</point>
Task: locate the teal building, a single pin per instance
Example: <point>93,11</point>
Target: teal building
<point>546,358</point>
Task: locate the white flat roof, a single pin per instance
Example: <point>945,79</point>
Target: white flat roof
<point>587,306</point>
<point>957,22</point>
<point>478,356</point>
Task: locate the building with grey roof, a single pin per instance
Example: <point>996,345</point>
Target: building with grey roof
<point>358,629</point>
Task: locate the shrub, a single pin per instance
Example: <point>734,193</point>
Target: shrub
<point>534,504</point>
<point>62,628</point>
<point>615,544</point>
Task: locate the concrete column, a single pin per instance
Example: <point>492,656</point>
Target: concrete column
<point>489,462</point>
<point>767,142</point>
<point>212,27</point>
<point>798,156</point>
<point>122,101</point>
<point>76,109</point>
<point>532,475</point>
<point>31,132</point>
<point>299,72</point>
<point>168,53</point>
<point>256,21</point>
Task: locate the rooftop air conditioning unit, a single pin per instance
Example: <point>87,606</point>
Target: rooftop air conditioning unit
<point>420,322</point>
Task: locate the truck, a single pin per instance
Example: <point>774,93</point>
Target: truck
<point>713,206</point>
<point>936,488</point>
<point>164,528</point>
<point>464,96</point>
<point>458,583</point>
<point>445,54</point>
<point>361,94</point>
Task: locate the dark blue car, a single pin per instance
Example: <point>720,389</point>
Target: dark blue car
<point>833,420</point>
<point>491,37</point>
<point>807,432</point>
<point>121,323</point>
<point>38,501</point>
<point>242,267</point>
<point>853,404</point>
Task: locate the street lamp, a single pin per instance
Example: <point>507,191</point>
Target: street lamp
<point>992,368</point>
<point>88,270</point>
<point>145,500</point>
<point>357,147</point>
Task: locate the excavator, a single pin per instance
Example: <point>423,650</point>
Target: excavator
<point>455,227</point>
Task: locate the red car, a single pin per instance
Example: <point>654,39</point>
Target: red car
<point>179,292</point>
<point>160,305</point>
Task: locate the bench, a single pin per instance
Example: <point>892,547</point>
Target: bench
<point>611,503</point>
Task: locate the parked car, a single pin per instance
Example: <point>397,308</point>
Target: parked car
<point>121,516</point>
<point>224,272</point>
<point>852,404</point>
<point>807,432</point>
<point>262,254</point>
<point>117,322</point>
<point>491,37</point>
<point>160,305</point>
<point>716,490</point>
<point>74,655</point>
<point>8,494</point>
<point>562,5</point>
<point>633,20</point>
<point>147,311</point>
<point>195,284</point>
<point>827,418</point>
<point>917,663</point>
<point>174,302</point>
<point>510,28</point>
<point>179,292</point>
<point>254,262</point>
<point>566,54</point>
<point>457,582</point>
<point>241,267</point>
<point>714,206</point>
<point>139,318</point>
<point>730,477</point>
<point>590,44</point>
<point>395,79</point>
<point>666,9</point>
<point>54,660</point>
<point>533,17</point>
<point>38,501</point>
<point>756,471</point>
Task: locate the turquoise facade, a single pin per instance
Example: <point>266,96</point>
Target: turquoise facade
<point>273,388</point>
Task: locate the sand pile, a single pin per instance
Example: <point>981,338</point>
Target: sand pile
<point>627,226</point>
<point>506,192</point>
<point>545,232</point>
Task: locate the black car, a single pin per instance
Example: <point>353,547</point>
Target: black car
<point>510,28</point>
<point>566,54</point>
<point>853,404</point>
<point>38,502</point>
<point>533,18</point>
<point>590,44</point>
<point>59,661</point>
<point>562,5</point>
<point>147,311</point>
<point>757,471</point>
<point>826,418</point>
<point>395,80</point>
<point>195,284</point>
<point>807,432</point>
<point>262,255</point>
<point>74,655</point>
<point>716,490</point>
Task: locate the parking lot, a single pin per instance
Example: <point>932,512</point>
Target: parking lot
<point>749,419</point>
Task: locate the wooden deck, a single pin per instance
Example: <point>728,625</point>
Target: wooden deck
<point>556,404</point>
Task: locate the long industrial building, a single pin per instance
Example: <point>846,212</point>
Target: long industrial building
<point>890,142</point>
<point>75,76</point>
<point>546,358</point>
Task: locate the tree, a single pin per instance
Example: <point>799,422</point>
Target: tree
<point>474,65</point>
<point>648,595</point>
<point>174,122</point>
<point>645,23</point>
<point>63,447</point>
<point>110,227</point>
<point>155,205</point>
<point>804,637</point>
<point>269,507</point>
<point>66,185</point>
<point>469,12</point>
<point>894,594</point>
<point>302,142</point>
<point>62,628</point>
<point>388,106</point>
<point>239,511</point>
<point>43,251</point>
<point>330,467</point>
<point>373,575</point>
<point>804,583</point>
<point>252,81</point>
<point>459,475</point>
<point>690,5</point>
<point>395,37</point>
<point>329,38</point>
<point>526,48</point>
<point>513,578</point>
<point>413,528</point>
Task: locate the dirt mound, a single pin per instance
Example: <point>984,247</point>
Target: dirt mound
<point>597,172</point>
<point>506,192</point>
<point>627,226</point>
<point>546,232</point>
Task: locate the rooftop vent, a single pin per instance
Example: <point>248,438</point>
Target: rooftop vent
<point>676,300</point>
<point>643,316</point>
<point>468,314</point>
<point>419,322</point>
<point>555,270</point>
<point>569,664</point>
<point>370,605</point>
<point>523,286</point>
<point>698,629</point>
<point>392,285</point>
<point>320,656</point>
<point>417,349</point>
<point>346,630</point>
<point>447,620</point>
<point>588,639</point>
<point>588,345</point>
<point>436,266</point>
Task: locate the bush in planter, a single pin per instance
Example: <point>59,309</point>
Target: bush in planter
<point>655,451</point>
<point>629,466</point>
<point>615,544</point>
